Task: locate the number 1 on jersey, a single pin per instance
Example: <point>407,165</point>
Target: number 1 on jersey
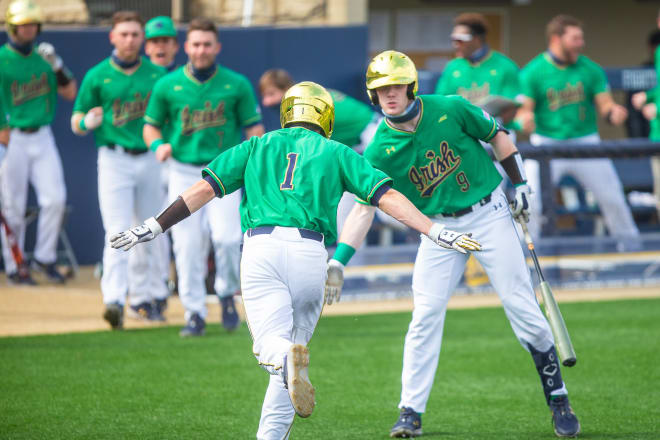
<point>291,167</point>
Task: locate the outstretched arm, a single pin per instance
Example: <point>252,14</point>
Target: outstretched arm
<point>188,202</point>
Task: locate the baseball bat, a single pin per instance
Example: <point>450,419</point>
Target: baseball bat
<point>15,250</point>
<point>556,321</point>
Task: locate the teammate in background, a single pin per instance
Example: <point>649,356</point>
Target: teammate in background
<point>355,123</point>
<point>637,125</point>
<point>480,74</point>
<point>285,174</point>
<point>30,81</point>
<point>111,102</point>
<point>563,90</point>
<point>202,107</point>
<point>430,147</point>
<point>647,103</point>
<point>160,44</point>
<point>161,47</point>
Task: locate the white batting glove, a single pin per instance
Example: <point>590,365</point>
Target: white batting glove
<point>139,234</point>
<point>334,282</point>
<point>47,52</point>
<point>93,119</point>
<point>520,204</point>
<point>453,240</point>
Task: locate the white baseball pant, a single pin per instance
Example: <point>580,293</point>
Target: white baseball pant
<point>282,305</point>
<point>219,222</point>
<point>438,271</point>
<point>596,175</point>
<point>129,188</point>
<point>33,158</point>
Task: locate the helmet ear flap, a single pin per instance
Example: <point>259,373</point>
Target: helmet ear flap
<point>373,97</point>
<point>410,91</point>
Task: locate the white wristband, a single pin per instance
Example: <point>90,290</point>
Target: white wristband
<point>335,263</point>
<point>153,226</point>
<point>435,231</point>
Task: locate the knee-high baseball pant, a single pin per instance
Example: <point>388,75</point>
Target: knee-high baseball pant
<point>33,158</point>
<point>219,222</point>
<point>282,281</point>
<point>129,188</point>
<point>596,175</point>
<point>438,271</point>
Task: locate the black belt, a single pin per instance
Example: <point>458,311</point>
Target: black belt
<point>131,151</point>
<point>304,233</point>
<point>28,129</point>
<point>469,209</point>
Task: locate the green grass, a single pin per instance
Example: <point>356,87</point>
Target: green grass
<point>150,384</point>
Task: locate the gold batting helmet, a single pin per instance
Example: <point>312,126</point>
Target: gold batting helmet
<point>391,68</point>
<point>308,102</point>
<point>23,12</point>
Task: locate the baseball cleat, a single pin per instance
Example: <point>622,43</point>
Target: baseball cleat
<point>50,271</point>
<point>145,312</point>
<point>564,420</point>
<point>114,314</point>
<point>17,279</point>
<point>409,424</point>
<point>161,305</point>
<point>230,319</point>
<point>194,327</point>
<point>300,389</point>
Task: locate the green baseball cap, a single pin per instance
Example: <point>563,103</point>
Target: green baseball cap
<point>159,27</point>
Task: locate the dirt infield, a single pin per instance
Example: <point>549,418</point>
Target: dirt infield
<point>77,306</point>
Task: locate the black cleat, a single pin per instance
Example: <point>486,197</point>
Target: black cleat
<point>230,320</point>
<point>409,424</point>
<point>114,314</point>
<point>194,327</point>
<point>50,271</point>
<point>145,311</point>
<point>563,418</point>
<point>18,279</point>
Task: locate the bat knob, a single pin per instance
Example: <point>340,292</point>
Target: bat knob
<point>569,362</point>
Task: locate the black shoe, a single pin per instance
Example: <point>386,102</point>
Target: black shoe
<point>15,278</point>
<point>230,319</point>
<point>194,327</point>
<point>563,417</point>
<point>409,424</point>
<point>49,270</point>
<point>114,314</point>
<point>161,305</point>
<point>145,311</point>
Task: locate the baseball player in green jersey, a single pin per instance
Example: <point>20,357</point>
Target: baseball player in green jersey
<point>355,124</point>
<point>111,103</point>
<point>203,108</point>
<point>485,77</point>
<point>30,81</point>
<point>293,180</point>
<point>430,146</point>
<point>564,90</point>
<point>160,44</point>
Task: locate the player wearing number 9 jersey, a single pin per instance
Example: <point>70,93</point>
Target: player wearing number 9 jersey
<point>430,147</point>
<point>293,181</point>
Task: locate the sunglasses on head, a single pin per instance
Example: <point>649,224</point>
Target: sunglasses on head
<point>463,38</point>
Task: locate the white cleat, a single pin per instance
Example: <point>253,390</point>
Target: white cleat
<point>301,390</point>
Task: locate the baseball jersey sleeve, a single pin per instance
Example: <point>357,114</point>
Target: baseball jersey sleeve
<point>247,109</point>
<point>360,178</point>
<point>157,109</point>
<point>228,169</point>
<point>511,84</point>
<point>475,121</point>
<point>598,81</point>
<point>528,86</point>
<point>88,96</point>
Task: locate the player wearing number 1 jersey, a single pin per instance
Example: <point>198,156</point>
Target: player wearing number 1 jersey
<point>430,147</point>
<point>196,112</point>
<point>293,180</point>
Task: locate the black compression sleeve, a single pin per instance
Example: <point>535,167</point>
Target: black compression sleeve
<point>63,76</point>
<point>379,193</point>
<point>173,214</point>
<point>513,167</point>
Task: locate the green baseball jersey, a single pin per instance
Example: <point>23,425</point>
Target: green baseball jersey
<point>496,74</point>
<point>563,95</point>
<point>441,166</point>
<point>124,98</point>
<point>3,114</point>
<point>202,119</point>
<point>294,177</point>
<point>652,96</point>
<point>29,88</point>
<point>351,118</point>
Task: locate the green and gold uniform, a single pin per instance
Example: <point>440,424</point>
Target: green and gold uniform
<point>351,118</point>
<point>29,88</point>
<point>124,98</point>
<point>441,166</point>
<point>203,118</point>
<point>563,95</point>
<point>294,177</point>
<point>3,115</point>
